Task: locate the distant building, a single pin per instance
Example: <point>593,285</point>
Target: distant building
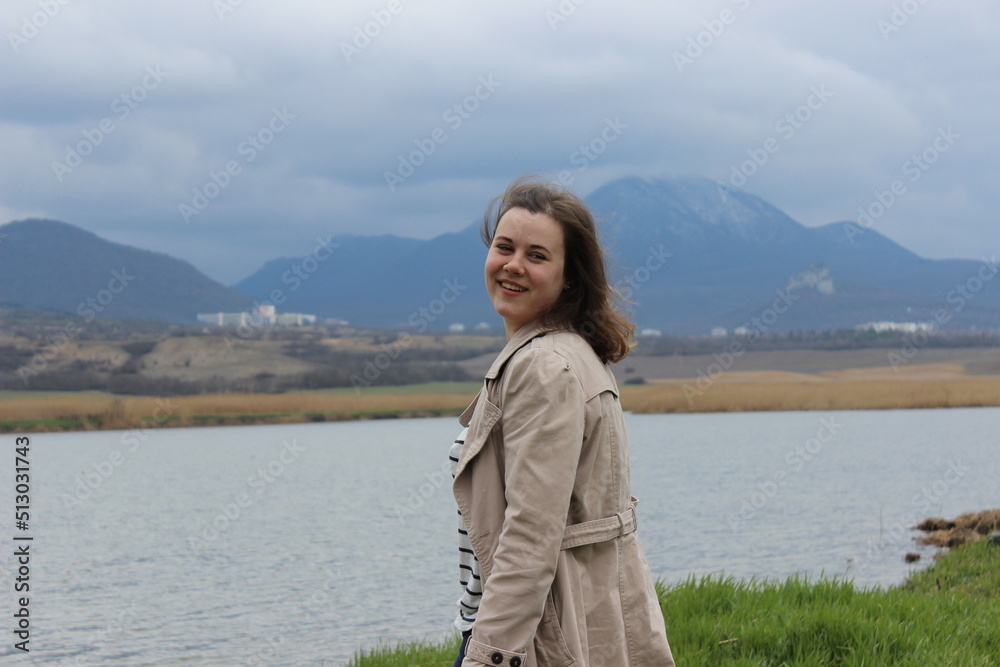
<point>719,332</point>
<point>223,319</point>
<point>294,320</point>
<point>263,315</point>
<point>904,327</point>
<point>740,331</point>
<point>483,326</point>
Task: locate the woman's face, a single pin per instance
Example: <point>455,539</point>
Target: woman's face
<point>524,267</point>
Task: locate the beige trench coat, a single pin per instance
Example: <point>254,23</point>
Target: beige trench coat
<point>547,450</point>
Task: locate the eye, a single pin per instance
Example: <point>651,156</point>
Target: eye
<point>537,255</point>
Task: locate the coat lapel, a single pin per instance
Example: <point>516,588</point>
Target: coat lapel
<point>482,415</point>
<point>523,336</point>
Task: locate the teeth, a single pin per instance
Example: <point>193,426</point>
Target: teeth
<point>513,287</point>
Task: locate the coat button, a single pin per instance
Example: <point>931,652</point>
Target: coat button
<point>497,658</point>
<point>515,662</point>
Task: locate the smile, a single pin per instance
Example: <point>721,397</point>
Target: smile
<point>512,287</point>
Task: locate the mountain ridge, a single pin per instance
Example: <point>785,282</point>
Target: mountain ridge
<point>727,253</point>
<point>107,279</point>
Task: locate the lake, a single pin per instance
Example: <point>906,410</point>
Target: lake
<point>298,544</point>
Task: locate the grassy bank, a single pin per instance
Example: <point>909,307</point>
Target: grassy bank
<point>53,411</point>
<point>823,394</point>
<point>947,614</point>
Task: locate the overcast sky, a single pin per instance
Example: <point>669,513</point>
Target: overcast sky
<point>228,132</point>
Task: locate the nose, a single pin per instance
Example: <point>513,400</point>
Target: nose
<point>513,265</point>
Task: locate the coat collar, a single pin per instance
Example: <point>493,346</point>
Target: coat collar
<point>522,337</point>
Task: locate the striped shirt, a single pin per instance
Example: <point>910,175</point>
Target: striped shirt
<point>468,564</point>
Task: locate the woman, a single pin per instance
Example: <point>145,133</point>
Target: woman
<point>542,478</point>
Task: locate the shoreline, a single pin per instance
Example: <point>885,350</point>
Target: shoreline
<point>34,412</point>
<point>714,621</point>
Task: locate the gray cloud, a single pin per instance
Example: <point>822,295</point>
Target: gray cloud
<point>189,93</point>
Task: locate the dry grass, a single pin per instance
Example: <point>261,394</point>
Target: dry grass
<point>201,358</point>
<point>969,527</point>
<point>777,391</point>
<point>811,395</point>
<point>112,412</point>
<point>902,372</point>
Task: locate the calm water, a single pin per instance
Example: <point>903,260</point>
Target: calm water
<point>295,545</point>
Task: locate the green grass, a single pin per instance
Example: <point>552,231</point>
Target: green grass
<point>31,393</point>
<point>409,655</point>
<point>948,615</point>
<point>315,415</point>
<point>11,425</point>
<point>423,388</point>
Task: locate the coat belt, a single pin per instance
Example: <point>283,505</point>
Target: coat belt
<point>601,530</point>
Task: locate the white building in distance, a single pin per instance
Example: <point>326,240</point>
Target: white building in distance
<point>905,327</point>
<point>259,316</point>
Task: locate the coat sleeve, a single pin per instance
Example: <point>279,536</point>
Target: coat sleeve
<point>542,427</point>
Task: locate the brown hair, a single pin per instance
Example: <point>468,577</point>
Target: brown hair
<point>587,305</point>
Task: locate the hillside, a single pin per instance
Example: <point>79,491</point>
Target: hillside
<point>692,254</point>
<point>53,265</point>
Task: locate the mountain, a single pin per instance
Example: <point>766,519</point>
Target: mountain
<point>53,265</point>
<point>691,253</point>
<point>734,255</point>
<point>698,255</point>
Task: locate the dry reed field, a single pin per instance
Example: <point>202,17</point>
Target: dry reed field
<point>933,387</point>
<point>870,394</point>
<point>101,411</point>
